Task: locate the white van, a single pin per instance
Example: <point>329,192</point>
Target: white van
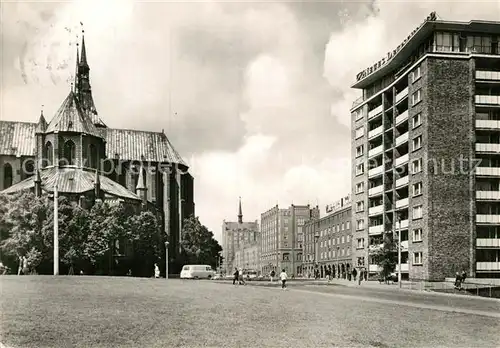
<point>197,272</point>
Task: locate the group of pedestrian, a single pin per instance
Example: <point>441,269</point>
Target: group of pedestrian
<point>283,277</point>
<point>460,279</point>
<point>238,276</point>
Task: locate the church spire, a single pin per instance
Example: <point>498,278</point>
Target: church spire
<point>76,69</point>
<point>240,214</point>
<point>83,60</point>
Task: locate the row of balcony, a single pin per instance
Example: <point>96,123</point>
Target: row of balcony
<point>400,96</point>
<point>488,99</point>
<point>487,147</point>
<point>488,75</point>
<point>378,229</point>
<point>480,266</point>
<point>488,242</point>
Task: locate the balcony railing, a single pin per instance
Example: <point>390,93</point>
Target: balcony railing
<point>403,138</point>
<point>487,266</point>
<point>488,99</point>
<point>357,102</point>
<point>378,229</point>
<point>402,181</point>
<point>376,151</point>
<point>404,267</point>
<point>487,147</point>
<point>375,112</point>
<point>403,223</point>
<point>376,190</point>
<point>488,242</point>
<point>402,117</point>
<point>488,171</point>
<point>404,245</point>
<point>374,132</point>
<point>373,268</point>
<point>376,171</point>
<point>487,219</point>
<point>401,95</point>
<point>401,160</point>
<point>376,210</point>
<point>488,75</point>
<point>402,202</point>
<point>487,124</point>
<point>488,195</point>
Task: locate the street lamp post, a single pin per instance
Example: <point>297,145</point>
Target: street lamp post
<point>166,260</point>
<point>338,268</point>
<point>398,223</point>
<point>316,237</point>
<point>56,230</point>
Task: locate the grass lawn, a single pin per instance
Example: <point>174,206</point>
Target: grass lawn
<point>84,311</point>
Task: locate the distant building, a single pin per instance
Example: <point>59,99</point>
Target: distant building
<point>328,241</point>
<point>234,236</point>
<point>248,256</point>
<point>429,109</point>
<point>282,238</point>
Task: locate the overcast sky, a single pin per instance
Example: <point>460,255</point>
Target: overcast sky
<point>254,95</point>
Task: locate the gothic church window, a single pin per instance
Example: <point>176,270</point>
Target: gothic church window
<point>69,152</point>
<point>48,154</point>
<point>93,156</point>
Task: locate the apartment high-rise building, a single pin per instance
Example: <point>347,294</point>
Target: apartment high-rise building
<point>328,241</point>
<point>429,109</point>
<point>235,235</point>
<point>282,238</point>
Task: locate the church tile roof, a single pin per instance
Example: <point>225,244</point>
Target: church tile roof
<point>71,118</point>
<point>17,138</point>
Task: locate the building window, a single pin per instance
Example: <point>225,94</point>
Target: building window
<point>417,258</point>
<point>360,169</point>
<point>360,206</point>
<point>93,156</point>
<point>360,224</point>
<point>416,166</point>
<point>417,235</point>
<point>416,97</point>
<point>49,155</point>
<point>342,240</point>
<point>7,175</point>
<point>360,150</point>
<point>417,120</point>
<point>417,212</point>
<point>286,257</point>
<point>360,132</point>
<point>417,143</point>
<point>417,189</point>
<point>69,152</point>
<point>358,114</point>
<point>416,74</point>
<point>348,225</point>
<point>360,187</point>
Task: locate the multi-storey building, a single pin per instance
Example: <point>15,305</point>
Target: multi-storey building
<point>282,238</point>
<point>247,256</point>
<point>428,109</point>
<point>327,241</point>
<point>236,234</point>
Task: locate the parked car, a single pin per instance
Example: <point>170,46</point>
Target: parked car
<point>197,272</point>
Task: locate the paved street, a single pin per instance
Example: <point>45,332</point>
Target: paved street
<point>114,312</point>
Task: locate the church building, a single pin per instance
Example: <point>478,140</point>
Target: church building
<point>87,160</point>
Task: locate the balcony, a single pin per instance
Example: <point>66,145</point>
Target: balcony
<point>488,171</point>
<point>378,229</point>
<point>375,111</point>
<point>487,147</point>
<point>374,132</point>
<point>375,171</point>
<point>404,245</point>
<point>487,219</point>
<point>403,138</point>
<point>488,75</point>
<point>487,124</point>
<point>403,224</point>
<point>402,117</point>
<point>375,247</point>
<point>376,190</point>
<point>487,266</point>
<point>376,151</point>
<point>373,268</point>
<point>488,99</point>
<point>402,181</point>
<point>488,195</point>
<point>404,267</point>
<point>488,242</point>
<point>401,95</point>
<point>379,209</point>
<point>402,203</point>
<point>401,160</point>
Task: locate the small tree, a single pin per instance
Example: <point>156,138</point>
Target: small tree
<point>385,256</point>
<point>147,242</point>
<point>198,243</point>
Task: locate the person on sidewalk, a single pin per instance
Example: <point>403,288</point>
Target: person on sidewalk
<point>464,276</point>
<point>283,277</point>
<point>271,276</point>
<point>157,271</point>
<point>241,279</point>
<point>235,275</point>
<point>354,273</point>
<point>458,281</point>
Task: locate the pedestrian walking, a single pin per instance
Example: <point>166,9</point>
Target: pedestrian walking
<point>283,277</point>
<point>271,275</point>
<point>241,280</point>
<point>157,271</point>
<point>354,273</point>
<point>360,278</point>
<point>235,276</point>
<point>458,281</point>
<point>464,276</point>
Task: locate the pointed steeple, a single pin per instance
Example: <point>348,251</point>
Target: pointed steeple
<point>240,214</point>
<point>76,68</point>
<point>141,189</point>
<point>83,61</point>
<point>42,124</point>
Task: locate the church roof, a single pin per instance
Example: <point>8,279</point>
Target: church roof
<point>17,138</point>
<point>73,180</point>
<point>71,118</point>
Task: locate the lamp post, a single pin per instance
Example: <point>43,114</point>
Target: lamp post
<point>166,260</point>
<point>398,223</point>
<point>338,268</point>
<point>56,229</point>
<point>316,237</point>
